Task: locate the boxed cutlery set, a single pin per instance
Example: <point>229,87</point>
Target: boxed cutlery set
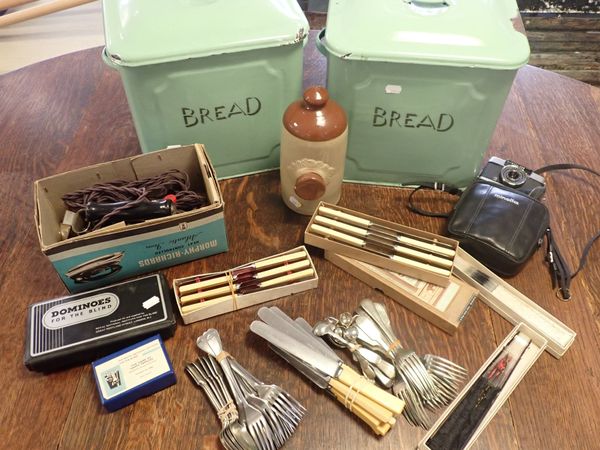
<point>201,296</point>
<point>406,250</point>
<point>466,418</point>
<point>513,305</point>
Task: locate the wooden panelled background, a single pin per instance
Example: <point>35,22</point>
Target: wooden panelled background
<point>569,45</point>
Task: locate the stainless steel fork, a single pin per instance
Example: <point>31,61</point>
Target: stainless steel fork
<point>250,416</point>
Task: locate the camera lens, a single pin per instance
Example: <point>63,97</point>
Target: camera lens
<point>513,175</point>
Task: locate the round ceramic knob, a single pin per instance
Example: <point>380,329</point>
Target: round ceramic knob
<point>315,97</point>
<point>310,186</point>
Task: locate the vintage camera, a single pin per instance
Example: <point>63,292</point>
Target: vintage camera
<point>513,175</point>
<point>499,218</point>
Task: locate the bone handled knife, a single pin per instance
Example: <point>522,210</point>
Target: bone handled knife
<point>382,405</point>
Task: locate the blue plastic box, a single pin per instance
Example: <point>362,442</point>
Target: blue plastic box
<point>137,371</point>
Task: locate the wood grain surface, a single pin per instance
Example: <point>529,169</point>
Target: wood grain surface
<point>71,112</point>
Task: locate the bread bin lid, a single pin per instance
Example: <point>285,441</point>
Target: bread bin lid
<point>141,32</point>
<point>471,33</point>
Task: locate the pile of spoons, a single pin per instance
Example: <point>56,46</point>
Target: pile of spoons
<point>424,383</point>
<point>253,415</point>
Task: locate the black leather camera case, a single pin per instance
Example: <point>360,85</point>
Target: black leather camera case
<point>498,225</point>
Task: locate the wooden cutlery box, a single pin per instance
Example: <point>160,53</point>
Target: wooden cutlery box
<point>207,295</point>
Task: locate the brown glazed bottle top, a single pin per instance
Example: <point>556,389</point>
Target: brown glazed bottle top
<point>310,186</point>
<point>316,117</point>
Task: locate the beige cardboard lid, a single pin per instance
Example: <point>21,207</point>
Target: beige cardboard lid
<point>444,307</point>
<point>513,305</point>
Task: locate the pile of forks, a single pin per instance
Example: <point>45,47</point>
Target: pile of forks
<point>253,415</point>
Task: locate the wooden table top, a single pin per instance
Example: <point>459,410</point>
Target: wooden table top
<point>71,112</point>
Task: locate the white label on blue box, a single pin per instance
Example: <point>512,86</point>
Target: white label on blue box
<point>131,369</point>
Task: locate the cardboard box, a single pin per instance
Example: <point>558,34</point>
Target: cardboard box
<point>132,373</point>
<point>513,305</point>
<point>226,302</point>
<point>376,254</point>
<point>533,352</point>
<point>445,307</point>
<point>120,251</point>
<point>77,329</point>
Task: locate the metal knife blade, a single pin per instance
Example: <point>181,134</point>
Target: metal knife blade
<point>313,375</point>
<point>308,328</point>
<point>276,318</point>
<point>328,365</point>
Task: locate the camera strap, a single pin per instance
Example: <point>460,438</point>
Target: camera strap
<point>559,269</point>
<point>436,187</point>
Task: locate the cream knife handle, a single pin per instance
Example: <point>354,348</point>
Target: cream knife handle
<point>349,377</point>
<point>345,216</point>
<point>378,427</point>
<point>432,247</point>
<point>192,287</point>
<point>342,237</point>
<point>287,278</point>
<point>354,396</point>
<point>205,295</point>
<point>444,262</point>
<point>283,269</point>
<point>331,223</point>
<point>420,265</point>
<point>280,259</point>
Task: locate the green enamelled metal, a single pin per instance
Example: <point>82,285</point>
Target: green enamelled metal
<point>216,72</point>
<point>423,82</point>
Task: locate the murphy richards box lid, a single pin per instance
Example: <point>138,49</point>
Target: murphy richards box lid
<point>140,32</point>
<point>474,33</point>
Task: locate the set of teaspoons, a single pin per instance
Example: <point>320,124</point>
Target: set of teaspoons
<point>255,416</point>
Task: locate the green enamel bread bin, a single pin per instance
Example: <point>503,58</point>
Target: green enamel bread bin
<point>219,72</point>
<point>423,82</point>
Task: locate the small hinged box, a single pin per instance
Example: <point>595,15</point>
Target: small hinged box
<point>202,296</point>
<point>445,307</point>
<point>527,359</point>
<point>419,254</point>
<point>97,258</point>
